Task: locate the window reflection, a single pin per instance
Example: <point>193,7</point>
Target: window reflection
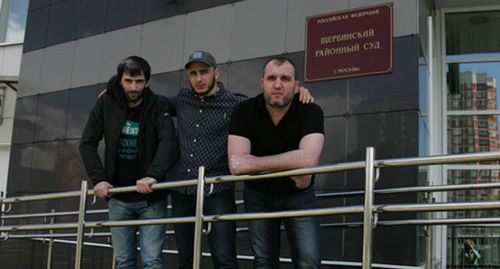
<point>486,238</point>
<point>472,32</point>
<point>13,14</point>
<point>473,53</point>
<point>473,176</point>
<point>473,86</point>
<point>473,133</point>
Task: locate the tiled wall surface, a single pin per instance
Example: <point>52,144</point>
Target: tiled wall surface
<point>233,32</point>
<point>65,67</point>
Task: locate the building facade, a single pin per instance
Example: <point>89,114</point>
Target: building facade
<point>12,25</point>
<point>439,98</point>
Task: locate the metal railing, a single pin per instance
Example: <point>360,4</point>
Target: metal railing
<point>369,210</point>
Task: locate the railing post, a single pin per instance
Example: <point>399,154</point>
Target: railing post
<point>51,243</point>
<point>81,225</point>
<point>428,235</point>
<point>198,224</point>
<point>2,210</point>
<point>113,260</point>
<point>368,209</point>
<point>2,207</point>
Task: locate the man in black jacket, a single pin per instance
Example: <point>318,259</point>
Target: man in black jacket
<point>140,146</point>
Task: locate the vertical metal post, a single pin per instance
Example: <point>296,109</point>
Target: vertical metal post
<point>51,243</point>
<point>198,224</point>
<point>368,209</point>
<point>2,209</point>
<point>113,265</point>
<point>428,235</point>
<point>81,225</point>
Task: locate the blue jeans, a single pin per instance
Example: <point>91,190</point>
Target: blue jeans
<point>302,232</point>
<point>221,239</point>
<point>152,237</point>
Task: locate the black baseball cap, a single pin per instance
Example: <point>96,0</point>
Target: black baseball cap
<point>200,56</point>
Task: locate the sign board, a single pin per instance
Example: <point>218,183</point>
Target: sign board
<point>350,43</point>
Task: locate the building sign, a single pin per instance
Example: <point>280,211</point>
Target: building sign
<point>347,44</point>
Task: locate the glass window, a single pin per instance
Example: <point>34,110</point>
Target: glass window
<point>457,176</point>
<point>472,33</point>
<point>482,134</point>
<point>472,75</point>
<point>13,14</point>
<point>473,86</point>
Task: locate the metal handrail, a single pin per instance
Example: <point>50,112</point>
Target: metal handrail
<point>249,257</point>
<point>371,167</point>
<point>435,188</point>
<point>408,222</point>
<point>54,214</point>
<point>281,214</point>
<point>439,159</point>
<point>431,160</point>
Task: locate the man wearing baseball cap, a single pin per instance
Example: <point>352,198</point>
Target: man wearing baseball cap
<point>202,112</point>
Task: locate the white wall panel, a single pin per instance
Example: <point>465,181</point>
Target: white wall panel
<point>258,29</point>
<point>11,62</point>
<point>87,64</point>
<point>6,130</point>
<point>404,17</point>
<point>30,74</point>
<point>298,11</point>
<point>57,67</point>
<point>118,45</point>
<point>4,167</point>
<point>2,52</point>
<point>209,30</point>
<point>10,103</point>
<point>162,43</point>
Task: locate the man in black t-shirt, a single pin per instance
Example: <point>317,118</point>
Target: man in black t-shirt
<point>140,146</point>
<point>272,132</point>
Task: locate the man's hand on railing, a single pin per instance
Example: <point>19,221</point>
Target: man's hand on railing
<point>302,182</point>
<point>143,185</point>
<point>101,189</point>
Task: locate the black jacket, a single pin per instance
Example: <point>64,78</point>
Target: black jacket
<point>158,145</point>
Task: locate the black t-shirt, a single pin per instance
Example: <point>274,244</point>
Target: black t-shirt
<point>127,155</point>
<point>251,120</point>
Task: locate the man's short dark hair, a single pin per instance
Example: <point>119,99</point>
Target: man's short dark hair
<point>134,66</point>
<point>279,60</point>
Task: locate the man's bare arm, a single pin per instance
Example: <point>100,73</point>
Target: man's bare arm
<point>242,162</point>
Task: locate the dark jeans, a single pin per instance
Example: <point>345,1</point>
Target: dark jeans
<point>302,232</point>
<point>221,239</point>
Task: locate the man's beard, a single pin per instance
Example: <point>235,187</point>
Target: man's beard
<point>134,99</point>
<point>284,102</point>
<point>210,87</point>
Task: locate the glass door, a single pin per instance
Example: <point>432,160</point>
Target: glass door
<point>472,125</point>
